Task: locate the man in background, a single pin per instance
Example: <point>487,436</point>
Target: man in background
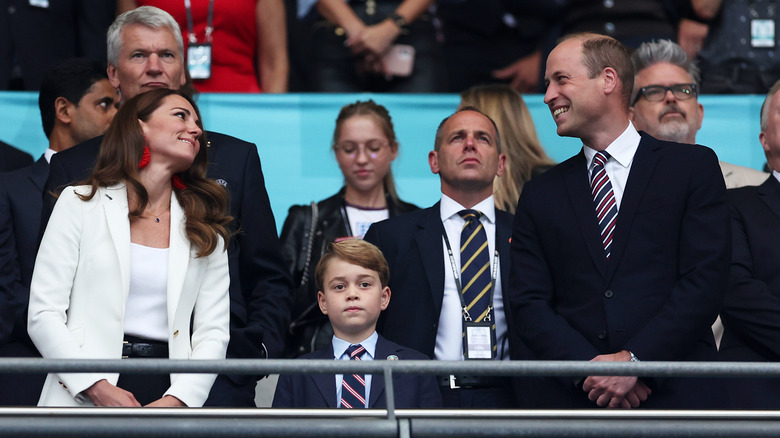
<point>665,102</point>
<point>752,304</point>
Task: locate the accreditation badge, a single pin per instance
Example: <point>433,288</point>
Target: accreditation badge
<point>199,60</point>
<point>479,341</point>
<point>762,33</point>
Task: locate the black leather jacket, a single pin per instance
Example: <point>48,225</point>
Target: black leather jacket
<point>306,330</point>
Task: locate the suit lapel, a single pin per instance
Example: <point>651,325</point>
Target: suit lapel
<point>428,239</point>
<point>581,199</point>
<point>383,351</point>
<point>503,234</point>
<point>115,207</point>
<point>642,168</point>
<point>40,171</point>
<point>769,193</point>
<point>325,383</point>
<point>178,256</point>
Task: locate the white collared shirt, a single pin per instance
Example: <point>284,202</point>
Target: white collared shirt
<point>776,174</point>
<point>618,166</point>
<point>340,353</point>
<point>48,154</point>
<point>449,337</point>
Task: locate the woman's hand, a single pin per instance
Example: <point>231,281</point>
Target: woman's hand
<point>373,40</point>
<point>167,401</point>
<point>103,393</point>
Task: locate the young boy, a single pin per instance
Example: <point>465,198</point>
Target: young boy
<point>352,279</point>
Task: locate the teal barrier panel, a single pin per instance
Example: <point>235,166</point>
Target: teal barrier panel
<point>293,133</point>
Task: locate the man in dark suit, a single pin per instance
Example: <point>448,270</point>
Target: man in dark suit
<point>12,158</point>
<point>426,313</point>
<point>145,51</point>
<point>751,307</point>
<point>77,102</point>
<point>645,279</point>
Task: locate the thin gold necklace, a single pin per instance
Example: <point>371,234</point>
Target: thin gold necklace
<point>157,216</point>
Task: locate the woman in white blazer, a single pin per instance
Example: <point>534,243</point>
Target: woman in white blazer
<point>133,262</point>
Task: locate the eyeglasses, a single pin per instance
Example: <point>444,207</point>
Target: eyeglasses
<point>351,149</point>
<point>656,93</point>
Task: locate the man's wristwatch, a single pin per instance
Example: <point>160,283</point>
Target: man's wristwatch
<point>633,357</point>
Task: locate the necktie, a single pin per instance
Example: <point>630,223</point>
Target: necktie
<point>603,200</point>
<point>474,265</point>
<point>353,386</point>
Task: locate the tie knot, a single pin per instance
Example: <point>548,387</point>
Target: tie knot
<point>601,158</point>
<point>355,351</point>
<point>469,215</point>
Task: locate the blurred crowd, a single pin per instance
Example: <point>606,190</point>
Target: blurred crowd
<point>416,46</point>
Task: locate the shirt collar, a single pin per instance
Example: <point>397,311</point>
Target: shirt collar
<point>622,149</point>
<point>340,346</point>
<point>449,208</point>
<point>48,154</point>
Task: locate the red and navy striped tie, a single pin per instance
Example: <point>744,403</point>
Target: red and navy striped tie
<point>603,200</point>
<point>353,386</point>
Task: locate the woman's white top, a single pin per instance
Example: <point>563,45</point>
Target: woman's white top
<point>146,309</point>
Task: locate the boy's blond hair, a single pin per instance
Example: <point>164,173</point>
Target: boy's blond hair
<point>357,252</point>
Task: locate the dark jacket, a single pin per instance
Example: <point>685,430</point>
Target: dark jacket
<point>411,391</point>
<point>307,321</point>
<point>751,328</point>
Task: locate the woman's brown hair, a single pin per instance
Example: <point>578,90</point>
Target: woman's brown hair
<point>382,118</point>
<point>204,201</point>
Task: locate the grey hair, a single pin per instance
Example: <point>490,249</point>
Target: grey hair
<point>653,52</point>
<point>765,106</point>
<point>148,16</point>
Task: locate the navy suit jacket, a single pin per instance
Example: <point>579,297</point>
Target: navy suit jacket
<point>658,294</point>
<point>319,390</point>
<point>20,215</point>
<point>751,309</point>
<point>412,245</point>
<point>260,284</point>
<point>12,158</point>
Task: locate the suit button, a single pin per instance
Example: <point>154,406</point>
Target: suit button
<point>608,294</point>
<point>11,10</point>
<point>603,335</point>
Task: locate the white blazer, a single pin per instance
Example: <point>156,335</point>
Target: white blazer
<point>80,285</point>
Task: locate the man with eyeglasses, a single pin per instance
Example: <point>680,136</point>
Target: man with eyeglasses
<point>664,102</point>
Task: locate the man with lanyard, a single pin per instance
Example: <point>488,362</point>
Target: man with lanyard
<point>445,262</point>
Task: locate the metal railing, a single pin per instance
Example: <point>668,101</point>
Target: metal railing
<point>390,422</point>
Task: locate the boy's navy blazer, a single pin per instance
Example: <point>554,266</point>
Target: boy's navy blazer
<point>319,390</point>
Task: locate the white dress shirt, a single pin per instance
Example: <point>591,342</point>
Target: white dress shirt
<point>618,166</point>
<point>449,337</point>
<point>340,353</point>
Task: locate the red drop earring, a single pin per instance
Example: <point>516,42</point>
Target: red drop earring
<point>145,158</point>
<point>177,182</point>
